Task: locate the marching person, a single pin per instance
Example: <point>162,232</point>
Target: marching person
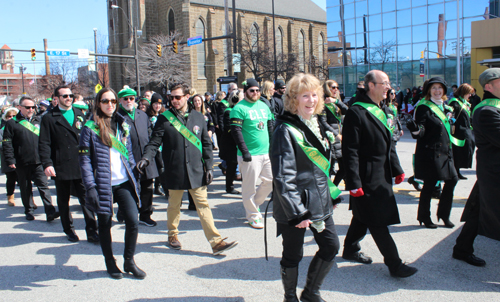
<point>302,187</point>
<point>58,147</point>
<point>483,215</point>
<point>10,173</point>
<point>462,155</point>
<point>371,162</point>
<point>433,153</point>
<point>139,125</point>
<point>106,160</point>
<point>251,128</point>
<point>187,156</point>
<point>20,148</point>
<point>230,149</point>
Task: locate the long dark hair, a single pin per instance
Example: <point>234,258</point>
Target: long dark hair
<point>103,121</point>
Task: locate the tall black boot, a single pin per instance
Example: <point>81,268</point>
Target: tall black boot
<point>289,277</point>
<point>130,267</point>
<point>112,269</point>
<point>318,269</point>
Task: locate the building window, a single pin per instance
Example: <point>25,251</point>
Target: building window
<point>200,49</point>
<point>302,48</point>
<point>321,49</point>
<point>279,41</point>
<point>171,21</point>
<point>254,38</point>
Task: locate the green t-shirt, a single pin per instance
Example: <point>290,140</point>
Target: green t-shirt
<point>255,117</point>
<point>69,115</point>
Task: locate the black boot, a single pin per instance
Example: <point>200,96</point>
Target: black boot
<point>112,269</point>
<point>130,267</point>
<point>289,277</point>
<point>318,269</point>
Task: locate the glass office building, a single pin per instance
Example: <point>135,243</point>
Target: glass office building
<point>399,36</point>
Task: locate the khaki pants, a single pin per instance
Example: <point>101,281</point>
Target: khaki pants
<point>253,196</point>
<point>200,200</point>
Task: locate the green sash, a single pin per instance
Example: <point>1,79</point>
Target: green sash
<point>376,112</point>
<point>331,107</point>
<point>488,102</point>
<point>440,114</point>
<point>394,109</point>
<point>183,130</point>
<point>464,107</point>
<point>317,158</point>
<point>225,103</point>
<point>115,143</point>
<point>30,127</point>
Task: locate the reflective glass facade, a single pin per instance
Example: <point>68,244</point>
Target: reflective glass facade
<point>393,36</point>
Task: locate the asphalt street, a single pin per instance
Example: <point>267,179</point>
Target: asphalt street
<point>37,262</point>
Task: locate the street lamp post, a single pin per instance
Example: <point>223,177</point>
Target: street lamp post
<point>134,28</point>
<point>95,55</point>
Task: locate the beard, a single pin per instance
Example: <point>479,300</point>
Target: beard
<point>253,98</point>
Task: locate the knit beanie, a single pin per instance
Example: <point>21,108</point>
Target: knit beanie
<point>249,83</point>
<point>156,98</point>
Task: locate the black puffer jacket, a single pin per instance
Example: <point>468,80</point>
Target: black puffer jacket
<point>300,188</point>
<point>335,121</point>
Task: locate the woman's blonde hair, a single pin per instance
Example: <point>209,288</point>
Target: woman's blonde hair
<point>266,89</point>
<point>300,83</point>
<point>219,96</point>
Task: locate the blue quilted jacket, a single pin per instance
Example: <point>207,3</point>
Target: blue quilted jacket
<point>95,164</point>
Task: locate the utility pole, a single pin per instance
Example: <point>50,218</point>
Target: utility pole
<point>95,56</point>
<point>22,76</point>
<point>229,58</point>
<point>47,64</point>
<point>275,60</point>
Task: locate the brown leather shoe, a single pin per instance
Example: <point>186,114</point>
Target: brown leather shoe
<point>174,242</point>
<point>223,246</point>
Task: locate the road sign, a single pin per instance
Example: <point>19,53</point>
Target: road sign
<point>421,70</point>
<point>422,61</point>
<point>58,52</point>
<point>194,40</point>
<point>97,88</point>
<point>236,62</point>
<point>83,53</point>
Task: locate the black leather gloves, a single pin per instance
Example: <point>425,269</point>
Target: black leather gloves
<point>141,165</point>
<point>209,177</point>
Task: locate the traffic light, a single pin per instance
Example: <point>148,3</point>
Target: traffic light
<point>422,54</point>
<point>158,50</point>
<point>175,47</point>
<point>328,61</point>
<point>33,54</point>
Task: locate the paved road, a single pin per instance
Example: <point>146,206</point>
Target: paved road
<point>38,263</point>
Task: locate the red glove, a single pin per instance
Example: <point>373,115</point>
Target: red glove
<point>357,193</point>
<point>399,179</point>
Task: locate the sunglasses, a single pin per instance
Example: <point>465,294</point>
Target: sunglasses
<point>177,97</point>
<point>132,98</point>
<point>29,107</point>
<point>253,90</point>
<point>64,96</point>
<point>334,87</point>
<point>106,101</point>
<point>392,93</point>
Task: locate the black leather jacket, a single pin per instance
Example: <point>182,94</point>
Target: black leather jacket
<point>300,187</point>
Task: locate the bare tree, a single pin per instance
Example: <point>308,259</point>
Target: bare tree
<point>170,67</point>
<point>255,57</point>
<point>383,52</point>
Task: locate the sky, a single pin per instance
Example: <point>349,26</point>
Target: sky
<point>65,24</point>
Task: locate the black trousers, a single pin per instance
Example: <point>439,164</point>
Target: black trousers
<point>445,202</point>
<point>63,189</point>
<point>230,174</point>
<point>381,236</point>
<point>146,198</point>
<point>10,184</point>
<point>340,173</point>
<point>27,174</point>
<point>123,195</point>
<point>293,243</point>
<point>465,241</point>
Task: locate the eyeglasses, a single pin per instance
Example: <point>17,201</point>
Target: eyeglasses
<point>106,101</point>
<point>64,96</point>
<point>132,98</point>
<point>30,107</point>
<point>334,87</point>
<point>177,97</point>
<point>383,83</point>
<point>253,90</point>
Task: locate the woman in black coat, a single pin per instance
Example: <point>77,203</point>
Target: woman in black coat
<point>391,107</point>
<point>10,173</point>
<point>462,155</point>
<point>334,110</point>
<point>301,196</point>
<point>153,111</point>
<point>433,153</point>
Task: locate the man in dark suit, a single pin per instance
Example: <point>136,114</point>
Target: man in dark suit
<point>20,148</point>
<point>139,124</point>
<point>482,211</point>
<point>58,147</point>
<point>187,157</point>
<point>371,162</point>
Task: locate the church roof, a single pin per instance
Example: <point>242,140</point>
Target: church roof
<point>297,9</point>
<point>5,47</point>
